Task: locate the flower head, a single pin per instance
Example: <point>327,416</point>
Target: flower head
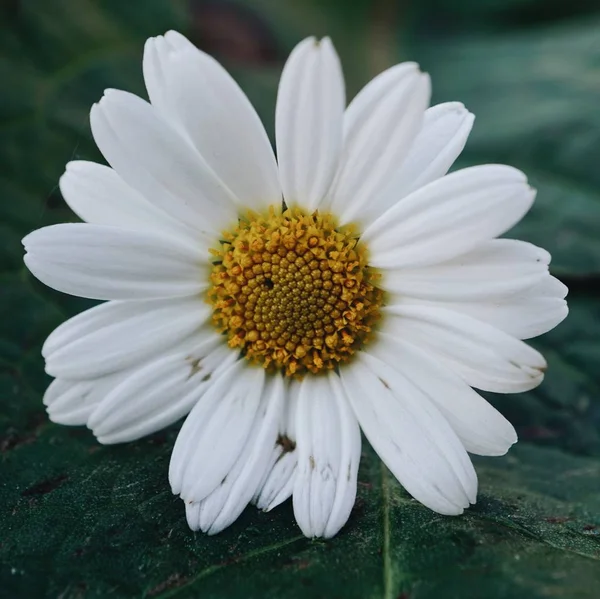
<point>288,303</point>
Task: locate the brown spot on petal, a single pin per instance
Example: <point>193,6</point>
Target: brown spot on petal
<point>384,383</point>
<point>286,443</point>
<point>195,366</point>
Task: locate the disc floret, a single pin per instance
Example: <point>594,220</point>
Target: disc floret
<point>293,291</point>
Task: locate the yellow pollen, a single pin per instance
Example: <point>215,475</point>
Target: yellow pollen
<point>293,291</point>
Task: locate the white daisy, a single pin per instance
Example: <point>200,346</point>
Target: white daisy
<point>287,304</point>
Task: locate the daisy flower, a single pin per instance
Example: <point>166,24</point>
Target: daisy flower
<point>285,304</point>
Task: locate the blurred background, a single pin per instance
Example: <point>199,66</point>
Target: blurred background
<point>79,520</point>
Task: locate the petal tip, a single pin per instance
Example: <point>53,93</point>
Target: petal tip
<point>564,311</point>
<point>177,40</point>
<point>326,43</point>
<point>72,166</point>
<point>25,243</point>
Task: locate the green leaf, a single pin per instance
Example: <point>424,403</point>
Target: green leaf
<point>85,519</point>
<point>81,520</point>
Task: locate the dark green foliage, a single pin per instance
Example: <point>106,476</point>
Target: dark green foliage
<point>81,520</point>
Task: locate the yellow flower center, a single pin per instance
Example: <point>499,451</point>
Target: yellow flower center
<point>293,291</point>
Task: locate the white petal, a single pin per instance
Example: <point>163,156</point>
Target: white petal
<point>72,402</point>
<point>549,287</point>
<point>380,126</point>
<point>215,433</point>
<point>192,514</point>
<point>99,196</point>
<point>485,357</point>
<point>223,506</point>
<point>449,217</point>
<point>440,141</point>
<point>69,402</point>
<point>410,435</point>
<point>479,426</point>
<point>328,440</point>
<point>524,315</point>
<point>308,122</point>
<point>350,451</point>
<point>110,263</point>
<point>151,156</point>
<point>278,483</point>
<point>117,335</point>
<point>156,51</point>
<point>160,393</point>
<point>493,270</point>
<point>198,97</point>
<point>56,389</point>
